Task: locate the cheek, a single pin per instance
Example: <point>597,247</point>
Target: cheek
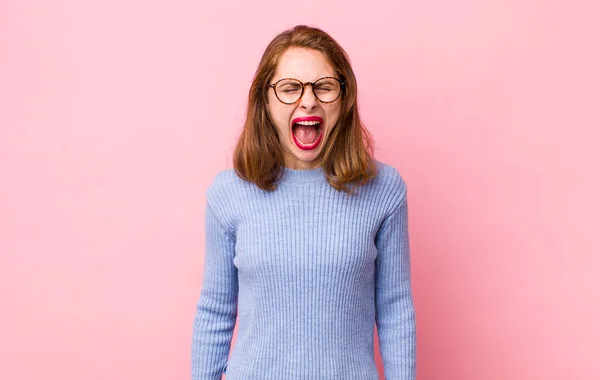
<point>280,115</point>
<point>333,113</point>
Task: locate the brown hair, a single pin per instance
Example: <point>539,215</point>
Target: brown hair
<point>347,157</point>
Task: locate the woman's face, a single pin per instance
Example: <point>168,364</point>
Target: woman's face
<point>302,143</point>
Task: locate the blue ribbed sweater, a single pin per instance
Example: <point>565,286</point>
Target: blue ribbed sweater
<point>308,271</point>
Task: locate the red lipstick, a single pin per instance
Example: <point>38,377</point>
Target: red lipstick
<point>308,118</point>
<point>312,146</point>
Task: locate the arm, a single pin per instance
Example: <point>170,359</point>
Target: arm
<point>394,309</point>
<point>216,310</point>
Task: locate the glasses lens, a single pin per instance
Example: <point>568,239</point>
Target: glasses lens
<point>327,89</point>
<point>288,90</point>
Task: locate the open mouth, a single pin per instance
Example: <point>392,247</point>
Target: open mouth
<point>307,134</point>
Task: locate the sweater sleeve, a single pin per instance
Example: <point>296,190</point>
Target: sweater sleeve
<point>216,310</point>
<point>394,309</point>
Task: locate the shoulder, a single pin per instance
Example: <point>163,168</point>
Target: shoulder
<point>226,187</point>
<point>221,183</point>
<point>224,194</point>
<point>390,179</point>
<point>389,185</point>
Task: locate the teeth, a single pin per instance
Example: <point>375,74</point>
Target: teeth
<point>308,122</point>
<point>301,143</point>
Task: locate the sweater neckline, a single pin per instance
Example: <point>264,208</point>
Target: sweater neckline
<point>303,175</point>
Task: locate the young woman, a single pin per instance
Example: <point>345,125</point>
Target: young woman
<point>307,236</point>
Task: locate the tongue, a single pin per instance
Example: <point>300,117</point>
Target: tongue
<point>305,133</point>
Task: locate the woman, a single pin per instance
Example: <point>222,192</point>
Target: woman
<point>307,236</point>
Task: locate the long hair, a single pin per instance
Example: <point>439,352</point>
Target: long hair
<point>346,157</point>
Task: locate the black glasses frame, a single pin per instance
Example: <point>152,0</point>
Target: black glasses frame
<point>342,87</point>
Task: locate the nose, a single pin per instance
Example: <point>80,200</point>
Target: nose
<point>308,100</point>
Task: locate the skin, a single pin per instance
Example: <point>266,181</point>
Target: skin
<point>307,65</point>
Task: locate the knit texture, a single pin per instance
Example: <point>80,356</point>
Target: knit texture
<point>308,271</point>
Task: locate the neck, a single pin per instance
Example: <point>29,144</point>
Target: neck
<point>303,175</point>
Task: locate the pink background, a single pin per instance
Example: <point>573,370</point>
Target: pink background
<point>116,115</point>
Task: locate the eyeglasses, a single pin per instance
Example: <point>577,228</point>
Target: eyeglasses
<point>290,90</point>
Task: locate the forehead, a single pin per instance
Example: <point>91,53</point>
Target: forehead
<point>304,64</point>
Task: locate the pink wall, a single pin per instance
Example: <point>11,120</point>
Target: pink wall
<point>116,115</point>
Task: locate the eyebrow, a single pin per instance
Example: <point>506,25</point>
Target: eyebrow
<point>312,81</point>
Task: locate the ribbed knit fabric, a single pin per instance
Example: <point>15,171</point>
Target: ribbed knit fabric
<point>309,271</point>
